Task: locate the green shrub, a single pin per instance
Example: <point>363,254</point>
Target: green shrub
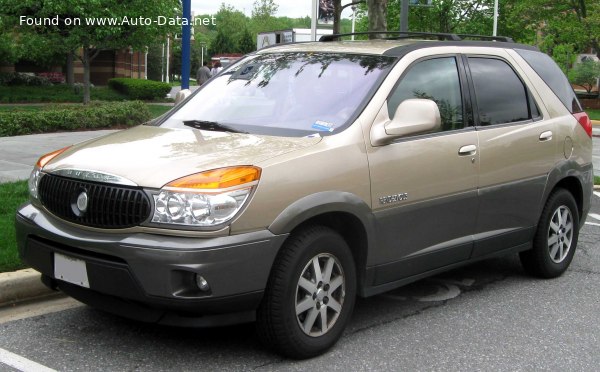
<point>55,93</point>
<point>65,118</point>
<point>140,89</point>
<point>17,78</point>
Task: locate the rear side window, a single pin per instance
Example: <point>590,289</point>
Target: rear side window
<point>501,96</point>
<point>545,67</point>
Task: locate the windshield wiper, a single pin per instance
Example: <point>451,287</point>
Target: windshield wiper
<point>210,125</point>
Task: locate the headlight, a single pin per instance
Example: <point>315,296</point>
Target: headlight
<point>36,174</point>
<point>34,180</point>
<point>205,199</point>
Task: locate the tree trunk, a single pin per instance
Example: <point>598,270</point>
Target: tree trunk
<point>377,16</point>
<point>337,14</point>
<point>70,70</point>
<point>86,75</point>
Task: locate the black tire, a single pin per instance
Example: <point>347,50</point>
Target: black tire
<point>556,237</point>
<point>303,335</point>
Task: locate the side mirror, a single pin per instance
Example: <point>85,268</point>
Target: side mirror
<point>414,116</point>
<point>182,95</point>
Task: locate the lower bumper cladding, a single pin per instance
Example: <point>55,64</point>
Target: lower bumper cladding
<point>180,281</point>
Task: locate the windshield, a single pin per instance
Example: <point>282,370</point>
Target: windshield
<point>287,94</point>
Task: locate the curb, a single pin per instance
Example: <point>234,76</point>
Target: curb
<point>595,122</point>
<point>22,285</point>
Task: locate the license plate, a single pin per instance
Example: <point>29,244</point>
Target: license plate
<point>70,270</point>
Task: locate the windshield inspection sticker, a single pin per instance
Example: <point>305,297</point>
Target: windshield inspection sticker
<point>323,126</point>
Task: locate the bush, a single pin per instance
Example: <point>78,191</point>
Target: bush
<point>18,78</point>
<point>53,77</point>
<point>55,93</point>
<point>65,118</point>
<point>140,89</point>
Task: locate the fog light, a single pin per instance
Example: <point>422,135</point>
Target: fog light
<point>202,283</point>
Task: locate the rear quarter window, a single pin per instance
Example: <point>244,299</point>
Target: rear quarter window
<point>552,75</point>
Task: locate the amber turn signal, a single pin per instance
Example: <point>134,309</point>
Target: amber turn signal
<point>221,178</point>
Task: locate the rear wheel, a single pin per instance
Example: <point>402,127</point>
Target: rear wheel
<point>556,237</point>
<point>310,294</point>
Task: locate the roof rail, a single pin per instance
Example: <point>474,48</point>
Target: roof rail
<point>409,34</point>
<point>400,35</point>
<point>505,39</point>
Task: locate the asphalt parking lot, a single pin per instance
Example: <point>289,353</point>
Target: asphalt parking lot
<point>488,316</point>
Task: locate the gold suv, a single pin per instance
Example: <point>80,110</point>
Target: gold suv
<point>307,174</point>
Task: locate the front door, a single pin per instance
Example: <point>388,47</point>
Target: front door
<point>424,187</point>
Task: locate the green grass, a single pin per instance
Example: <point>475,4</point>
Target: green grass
<point>57,93</point>
<point>593,114</point>
<point>596,180</point>
<point>12,195</point>
<point>158,110</point>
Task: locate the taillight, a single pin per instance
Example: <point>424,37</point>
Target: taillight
<point>584,120</point>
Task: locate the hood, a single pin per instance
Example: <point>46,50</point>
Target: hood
<point>153,157</point>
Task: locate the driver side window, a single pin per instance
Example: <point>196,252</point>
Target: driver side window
<point>435,79</point>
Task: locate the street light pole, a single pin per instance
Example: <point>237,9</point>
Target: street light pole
<point>404,16</point>
<point>313,21</point>
<point>186,34</point>
<point>353,7</point>
<point>495,31</point>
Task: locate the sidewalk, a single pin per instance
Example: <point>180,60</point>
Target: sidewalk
<point>19,154</point>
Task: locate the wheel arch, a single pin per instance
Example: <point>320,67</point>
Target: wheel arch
<point>569,177</point>
<point>342,212</point>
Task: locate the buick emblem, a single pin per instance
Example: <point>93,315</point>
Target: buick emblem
<point>82,202</point>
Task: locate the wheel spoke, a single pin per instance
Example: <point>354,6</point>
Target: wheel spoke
<point>317,270</point>
<point>568,228</point>
<point>554,249</point>
<point>334,305</point>
<point>324,325</point>
<point>304,305</point>
<point>328,270</point>
<point>561,251</point>
<point>555,228</point>
<point>564,217</point>
<point>309,322</point>
<point>552,240</point>
<point>335,283</point>
<point>307,285</point>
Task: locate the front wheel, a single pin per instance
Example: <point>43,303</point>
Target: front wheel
<point>556,237</point>
<point>310,294</point>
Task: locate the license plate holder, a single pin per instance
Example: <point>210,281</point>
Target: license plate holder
<point>71,270</point>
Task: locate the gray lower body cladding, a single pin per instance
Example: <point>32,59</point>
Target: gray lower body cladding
<point>152,277</point>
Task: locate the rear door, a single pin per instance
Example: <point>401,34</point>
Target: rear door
<point>517,149</point>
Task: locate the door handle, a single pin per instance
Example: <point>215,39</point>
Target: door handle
<point>467,150</point>
<point>546,136</point>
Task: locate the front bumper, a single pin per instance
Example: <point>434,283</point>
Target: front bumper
<point>152,277</point>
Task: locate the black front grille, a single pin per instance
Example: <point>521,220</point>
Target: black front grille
<point>108,206</point>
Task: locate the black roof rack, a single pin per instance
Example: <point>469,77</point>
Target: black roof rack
<point>505,39</point>
<point>409,34</point>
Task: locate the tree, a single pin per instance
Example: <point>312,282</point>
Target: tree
<point>585,74</point>
<point>223,43</point>
<point>377,15</point>
<point>246,42</point>
<point>78,26</point>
